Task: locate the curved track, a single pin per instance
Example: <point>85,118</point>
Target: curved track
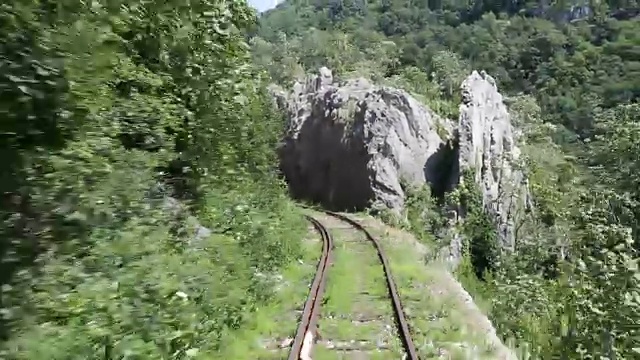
<point>309,318</point>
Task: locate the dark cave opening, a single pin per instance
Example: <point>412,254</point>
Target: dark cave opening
<point>324,169</point>
<point>442,170</point>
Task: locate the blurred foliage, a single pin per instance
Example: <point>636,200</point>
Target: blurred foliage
<point>123,123</point>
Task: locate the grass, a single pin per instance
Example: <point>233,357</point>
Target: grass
<point>357,312</point>
<point>357,306</point>
<point>440,322</point>
<point>274,323</point>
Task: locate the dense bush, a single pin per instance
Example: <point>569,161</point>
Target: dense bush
<point>108,109</point>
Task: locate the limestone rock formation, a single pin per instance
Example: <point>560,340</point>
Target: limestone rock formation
<point>351,144</point>
<point>487,148</point>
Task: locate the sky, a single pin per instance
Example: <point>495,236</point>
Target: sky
<point>262,5</point>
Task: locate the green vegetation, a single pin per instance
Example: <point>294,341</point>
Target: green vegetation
<point>439,315</point>
<point>423,216</point>
<point>356,305</point>
<point>111,109</point>
<point>107,109</point>
<point>276,320</point>
<point>570,290</point>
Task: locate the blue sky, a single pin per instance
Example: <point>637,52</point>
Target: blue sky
<point>262,5</point>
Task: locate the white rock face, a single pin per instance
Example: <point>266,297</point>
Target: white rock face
<point>487,147</point>
<point>351,144</point>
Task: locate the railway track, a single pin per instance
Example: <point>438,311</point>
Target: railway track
<point>307,331</point>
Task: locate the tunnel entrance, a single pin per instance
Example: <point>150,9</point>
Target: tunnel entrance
<point>325,167</point>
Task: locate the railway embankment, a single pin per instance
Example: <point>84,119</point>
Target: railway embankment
<point>356,318</point>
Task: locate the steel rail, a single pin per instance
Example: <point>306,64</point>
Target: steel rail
<point>311,310</point>
<point>309,317</point>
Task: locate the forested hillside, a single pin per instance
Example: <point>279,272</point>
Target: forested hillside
<point>142,214</point>
<point>570,290</point>
<point>112,111</point>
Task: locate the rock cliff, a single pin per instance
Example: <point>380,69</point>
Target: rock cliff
<point>351,144</point>
<point>487,148</point>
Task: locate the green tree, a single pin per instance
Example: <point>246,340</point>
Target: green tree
<point>108,109</point>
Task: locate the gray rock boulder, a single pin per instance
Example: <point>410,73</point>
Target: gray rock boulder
<point>487,148</point>
<point>352,144</point>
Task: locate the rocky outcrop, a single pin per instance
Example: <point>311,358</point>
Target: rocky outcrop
<point>487,149</point>
<point>352,144</point>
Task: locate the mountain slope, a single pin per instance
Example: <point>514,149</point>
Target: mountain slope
<point>565,85</point>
